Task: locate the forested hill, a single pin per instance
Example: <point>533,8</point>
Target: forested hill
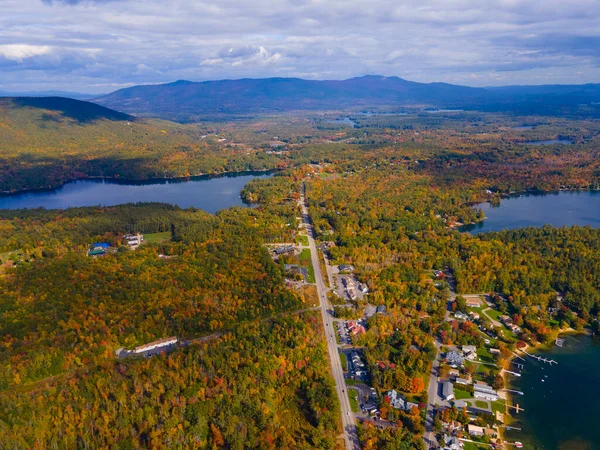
<point>187,101</point>
<point>78,110</point>
<point>183,99</point>
<point>45,142</point>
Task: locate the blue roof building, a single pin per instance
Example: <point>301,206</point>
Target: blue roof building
<point>100,245</point>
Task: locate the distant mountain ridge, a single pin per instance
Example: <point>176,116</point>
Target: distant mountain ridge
<point>66,94</point>
<point>185,100</point>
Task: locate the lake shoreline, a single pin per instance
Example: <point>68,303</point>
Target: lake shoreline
<point>536,208</point>
<point>518,353</point>
<point>140,181</point>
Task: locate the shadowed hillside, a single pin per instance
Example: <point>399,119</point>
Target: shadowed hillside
<point>78,110</point>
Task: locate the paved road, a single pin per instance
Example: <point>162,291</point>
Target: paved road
<point>433,399</point>
<point>350,434</point>
<point>433,389</point>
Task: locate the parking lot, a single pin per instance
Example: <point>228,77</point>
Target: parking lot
<point>349,288</point>
<point>343,332</point>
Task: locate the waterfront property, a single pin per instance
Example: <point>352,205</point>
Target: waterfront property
<point>485,392</point>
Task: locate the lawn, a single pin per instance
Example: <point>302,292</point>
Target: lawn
<point>344,362</point>
<point>484,355</point>
<point>353,396</point>
<point>305,261</point>
<point>303,240</point>
<point>473,446</point>
<point>493,313</point>
<point>157,238</point>
<point>499,405</point>
<point>350,381</point>
<point>459,394</point>
<point>481,404</point>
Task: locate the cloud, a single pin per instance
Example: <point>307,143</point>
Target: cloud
<point>85,44</point>
<point>74,2</point>
<point>19,52</point>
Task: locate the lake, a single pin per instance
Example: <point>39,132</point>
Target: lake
<point>346,121</point>
<point>561,412</point>
<point>558,209</point>
<point>550,142</point>
<point>210,193</point>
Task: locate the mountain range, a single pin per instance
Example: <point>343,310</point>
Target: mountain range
<point>185,100</point>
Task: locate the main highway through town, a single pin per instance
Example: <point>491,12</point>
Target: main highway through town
<point>350,434</point>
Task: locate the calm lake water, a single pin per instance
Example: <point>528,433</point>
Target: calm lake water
<point>550,142</point>
<point>535,210</point>
<point>207,192</point>
<point>345,121</point>
<point>561,412</point>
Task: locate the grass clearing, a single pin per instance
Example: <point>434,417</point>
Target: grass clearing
<point>459,394</point>
<point>481,404</point>
<point>473,446</point>
<point>353,397</point>
<point>157,238</point>
<point>499,405</point>
<point>303,240</point>
<point>493,313</point>
<point>344,361</point>
<point>305,260</point>
<point>484,355</point>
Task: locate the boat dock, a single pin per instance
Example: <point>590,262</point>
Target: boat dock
<point>539,358</point>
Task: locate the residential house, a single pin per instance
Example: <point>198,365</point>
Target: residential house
<point>447,391</point>
<point>460,316</point>
<point>454,359</point>
<point>463,381</point>
<point>484,391</point>
<point>515,328</point>
<point>133,240</point>
<point>473,302</point>
<point>452,443</point>
<point>282,250</point>
<point>346,268</point>
<point>505,320</point>
<point>474,315</point>
<point>470,352</point>
<point>474,430</point>
<point>397,402</point>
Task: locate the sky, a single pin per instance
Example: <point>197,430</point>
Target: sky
<point>98,46</point>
